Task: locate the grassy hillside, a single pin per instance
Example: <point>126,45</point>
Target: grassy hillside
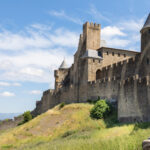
<point>71,128</point>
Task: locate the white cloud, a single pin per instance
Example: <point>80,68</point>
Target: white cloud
<point>117,42</point>
<point>65,38</point>
<point>123,34</point>
<point>113,36</point>
<point>36,92</point>
<point>32,71</point>
<point>63,15</point>
<point>132,25</point>
<point>6,84</point>
<point>110,31</point>
<point>7,94</point>
<point>42,38</point>
<point>33,54</point>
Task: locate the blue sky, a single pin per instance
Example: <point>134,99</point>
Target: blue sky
<point>35,36</point>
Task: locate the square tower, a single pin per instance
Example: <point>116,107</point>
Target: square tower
<point>91,35</point>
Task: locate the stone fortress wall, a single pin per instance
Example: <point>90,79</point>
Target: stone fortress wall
<point>120,76</point>
<point>10,123</point>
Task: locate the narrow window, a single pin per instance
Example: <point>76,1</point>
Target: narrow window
<point>99,61</point>
<point>147,61</point>
<point>113,53</point>
<point>107,53</point>
<point>93,60</point>
<point>98,74</point>
<point>99,54</point>
<point>118,54</point>
<point>149,31</point>
<point>124,55</point>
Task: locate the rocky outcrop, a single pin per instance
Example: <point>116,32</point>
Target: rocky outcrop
<point>146,144</point>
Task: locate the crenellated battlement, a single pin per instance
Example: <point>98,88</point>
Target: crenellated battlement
<point>91,24</point>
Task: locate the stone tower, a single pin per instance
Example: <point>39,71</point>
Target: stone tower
<point>145,35</point>
<point>91,35</point>
<point>60,74</point>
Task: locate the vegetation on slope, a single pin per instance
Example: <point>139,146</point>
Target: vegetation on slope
<point>71,128</point>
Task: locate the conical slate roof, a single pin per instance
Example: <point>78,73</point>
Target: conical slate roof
<point>63,65</point>
<point>147,23</point>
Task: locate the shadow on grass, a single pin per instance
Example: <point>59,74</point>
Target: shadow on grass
<point>112,121</point>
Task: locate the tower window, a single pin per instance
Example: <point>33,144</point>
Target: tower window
<point>118,54</point>
<point>107,53</point>
<point>93,60</point>
<point>113,53</point>
<point>99,54</point>
<point>124,55</point>
<point>147,61</point>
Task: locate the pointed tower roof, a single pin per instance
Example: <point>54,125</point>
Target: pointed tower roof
<point>147,23</point>
<point>63,65</point>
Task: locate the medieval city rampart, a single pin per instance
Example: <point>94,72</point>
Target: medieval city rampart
<point>120,76</point>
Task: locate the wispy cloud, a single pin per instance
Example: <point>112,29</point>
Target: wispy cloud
<point>40,38</point>
<point>36,92</point>
<point>26,61</point>
<point>7,94</point>
<point>97,15</point>
<point>63,15</point>
<point>7,84</point>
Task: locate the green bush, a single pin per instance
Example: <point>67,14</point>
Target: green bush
<point>61,105</point>
<point>26,117</point>
<point>100,110</point>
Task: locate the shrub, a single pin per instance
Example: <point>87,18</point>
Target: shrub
<point>26,117</point>
<point>61,105</point>
<point>100,110</point>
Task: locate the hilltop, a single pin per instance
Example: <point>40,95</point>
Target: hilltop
<point>71,128</point>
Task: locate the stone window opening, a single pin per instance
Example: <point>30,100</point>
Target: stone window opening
<point>147,61</point>
<point>118,54</point>
<point>113,53</point>
<point>149,31</point>
<point>98,74</point>
<point>93,60</point>
<point>99,54</point>
<point>124,55</point>
<point>107,53</point>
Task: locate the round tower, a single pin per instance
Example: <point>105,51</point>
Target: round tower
<point>145,34</point>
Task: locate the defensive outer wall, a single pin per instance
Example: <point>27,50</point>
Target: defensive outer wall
<point>125,81</point>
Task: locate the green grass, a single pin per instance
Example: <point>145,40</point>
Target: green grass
<point>71,128</point>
